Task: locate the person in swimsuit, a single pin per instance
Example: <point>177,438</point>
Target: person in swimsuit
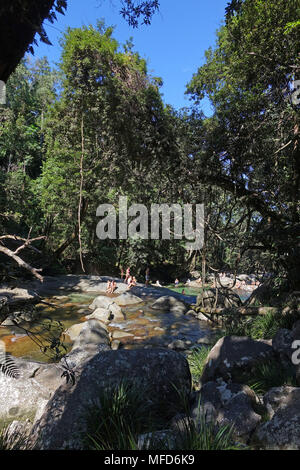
<point>147,276</point>
<point>127,275</point>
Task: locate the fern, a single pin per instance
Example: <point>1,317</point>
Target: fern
<point>7,364</point>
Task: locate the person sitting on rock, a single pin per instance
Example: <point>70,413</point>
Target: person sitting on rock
<point>131,282</point>
<point>113,286</point>
<point>108,287</point>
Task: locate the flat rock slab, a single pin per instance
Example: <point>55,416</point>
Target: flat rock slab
<point>16,297</point>
<point>121,334</point>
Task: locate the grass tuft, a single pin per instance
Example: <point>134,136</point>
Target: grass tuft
<point>196,362</point>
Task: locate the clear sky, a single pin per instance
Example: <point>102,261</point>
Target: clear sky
<point>173,44</point>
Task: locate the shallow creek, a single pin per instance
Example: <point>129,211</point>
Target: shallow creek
<point>142,327</point>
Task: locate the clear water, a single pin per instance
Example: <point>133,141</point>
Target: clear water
<point>145,327</point>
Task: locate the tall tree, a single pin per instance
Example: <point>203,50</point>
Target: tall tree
<point>251,147</point>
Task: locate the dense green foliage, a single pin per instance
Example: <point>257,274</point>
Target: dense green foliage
<point>97,129</point>
<point>260,327</point>
<point>252,140</point>
<point>271,374</point>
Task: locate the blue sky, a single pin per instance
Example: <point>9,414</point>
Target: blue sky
<point>173,44</point>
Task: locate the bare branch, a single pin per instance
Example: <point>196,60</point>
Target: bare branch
<point>14,254</point>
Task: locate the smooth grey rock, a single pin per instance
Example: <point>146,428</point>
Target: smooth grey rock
<point>111,313</point>
<point>127,299</point>
<point>101,302</point>
<point>101,314</point>
<point>233,355</point>
<point>116,313</point>
<point>23,395</point>
<point>169,304</point>
<point>92,339</point>
<point>74,331</point>
<point>115,344</point>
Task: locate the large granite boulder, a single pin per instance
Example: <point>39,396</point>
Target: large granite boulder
<point>160,374</point>
<point>227,404</point>
<point>127,299</point>
<point>101,302</point>
<point>92,338</point>
<point>282,344</point>
<point>25,391</point>
<point>282,431</point>
<point>234,355</point>
<point>168,303</point>
<point>286,344</point>
<point>74,331</point>
<point>106,315</point>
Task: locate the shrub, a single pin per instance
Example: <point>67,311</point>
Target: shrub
<point>270,374</point>
<point>204,435</point>
<point>260,327</point>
